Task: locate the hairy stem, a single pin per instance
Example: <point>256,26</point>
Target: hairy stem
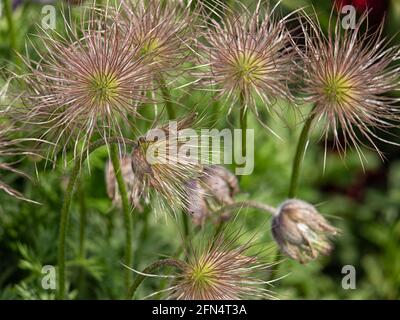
<point>115,159</point>
<point>82,229</point>
<point>151,268</point>
<point>63,227</point>
<point>65,210</point>
<point>299,156</point>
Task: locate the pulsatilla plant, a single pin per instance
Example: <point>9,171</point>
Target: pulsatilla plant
<point>92,82</point>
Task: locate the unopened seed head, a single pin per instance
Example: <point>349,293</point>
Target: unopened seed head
<point>301,231</point>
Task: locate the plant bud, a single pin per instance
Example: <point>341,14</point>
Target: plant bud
<point>301,231</point>
<point>221,183</point>
<point>215,187</point>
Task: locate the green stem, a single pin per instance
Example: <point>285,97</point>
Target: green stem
<point>299,156</point>
<point>63,227</point>
<point>64,216</point>
<point>82,230</point>
<point>148,270</point>
<point>82,218</point>
<point>167,99</point>
<point>115,159</point>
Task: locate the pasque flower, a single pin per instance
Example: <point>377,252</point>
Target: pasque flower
<point>348,77</point>
<point>301,232</point>
<point>86,83</point>
<point>249,57</point>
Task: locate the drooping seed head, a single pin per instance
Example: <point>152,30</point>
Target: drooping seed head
<point>348,77</point>
<point>215,187</point>
<point>164,160</point>
<point>301,231</point>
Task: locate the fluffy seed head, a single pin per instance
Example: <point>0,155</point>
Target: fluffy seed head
<point>249,57</point>
<point>87,83</point>
<point>224,270</point>
<point>348,77</point>
<point>301,232</point>
<point>163,32</point>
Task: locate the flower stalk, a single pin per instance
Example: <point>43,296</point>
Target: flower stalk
<point>114,154</point>
<point>299,156</point>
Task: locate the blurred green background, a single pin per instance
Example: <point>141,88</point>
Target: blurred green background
<point>365,205</point>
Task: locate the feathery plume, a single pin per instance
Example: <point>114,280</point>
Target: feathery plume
<point>348,77</point>
<point>87,83</point>
<point>222,269</point>
<point>249,57</point>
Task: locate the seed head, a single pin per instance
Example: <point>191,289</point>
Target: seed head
<point>348,77</point>
<point>86,84</point>
<point>163,32</point>
<point>162,160</point>
<point>249,57</point>
<point>301,232</point>
<point>224,270</point>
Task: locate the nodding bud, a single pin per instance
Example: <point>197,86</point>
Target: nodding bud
<point>221,183</point>
<point>132,182</point>
<point>216,186</point>
<point>301,231</point>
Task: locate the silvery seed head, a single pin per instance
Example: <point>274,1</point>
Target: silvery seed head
<point>161,162</point>
<point>222,270</point>
<point>348,78</point>
<point>301,231</point>
<point>249,57</point>
<point>87,84</point>
<point>163,32</point>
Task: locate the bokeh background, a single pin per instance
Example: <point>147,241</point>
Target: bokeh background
<point>365,205</point>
